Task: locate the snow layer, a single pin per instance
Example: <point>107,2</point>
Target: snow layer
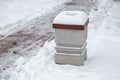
<point>103,55</point>
<point>13,10</point>
<point>71,17</point>
<point>14,14</point>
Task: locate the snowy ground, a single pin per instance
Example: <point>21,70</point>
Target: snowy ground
<point>26,38</point>
<point>14,14</point>
<point>103,53</point>
<point>13,10</point>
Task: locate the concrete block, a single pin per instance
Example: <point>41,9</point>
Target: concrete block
<point>70,50</point>
<point>71,28</point>
<point>72,38</point>
<point>85,55</point>
<point>73,59</point>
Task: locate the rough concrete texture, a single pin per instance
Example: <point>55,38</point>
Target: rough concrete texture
<point>69,37</point>
<point>70,50</point>
<point>73,59</point>
<point>70,42</point>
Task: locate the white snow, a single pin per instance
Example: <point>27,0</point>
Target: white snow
<point>13,10</point>
<point>71,18</point>
<point>14,14</point>
<point>103,53</point>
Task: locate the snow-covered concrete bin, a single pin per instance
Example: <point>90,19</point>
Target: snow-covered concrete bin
<point>70,37</point>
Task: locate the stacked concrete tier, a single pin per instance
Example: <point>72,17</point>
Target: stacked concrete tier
<point>70,37</point>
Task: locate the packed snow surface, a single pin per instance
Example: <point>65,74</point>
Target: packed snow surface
<point>17,14</point>
<point>71,17</point>
<point>12,11</point>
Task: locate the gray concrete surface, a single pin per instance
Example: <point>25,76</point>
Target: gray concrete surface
<point>73,59</point>
<point>72,38</point>
<point>70,50</point>
<point>71,42</point>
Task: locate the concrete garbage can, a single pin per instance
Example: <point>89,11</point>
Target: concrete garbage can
<point>70,37</point>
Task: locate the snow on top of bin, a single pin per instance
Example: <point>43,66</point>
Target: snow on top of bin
<point>71,18</point>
